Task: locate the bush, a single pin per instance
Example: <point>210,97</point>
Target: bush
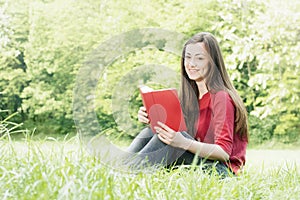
<point>261,130</point>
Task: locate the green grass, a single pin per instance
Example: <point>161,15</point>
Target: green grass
<point>51,169</point>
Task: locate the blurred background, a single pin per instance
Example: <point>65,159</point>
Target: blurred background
<point>43,44</point>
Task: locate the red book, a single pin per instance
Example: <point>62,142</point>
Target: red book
<point>164,106</point>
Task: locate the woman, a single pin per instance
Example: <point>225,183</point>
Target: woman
<point>214,113</point>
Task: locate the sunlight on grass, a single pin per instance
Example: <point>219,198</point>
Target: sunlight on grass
<point>51,169</point>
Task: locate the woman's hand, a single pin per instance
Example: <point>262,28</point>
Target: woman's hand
<point>143,116</point>
<point>171,137</point>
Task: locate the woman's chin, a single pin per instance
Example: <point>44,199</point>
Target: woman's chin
<point>196,78</point>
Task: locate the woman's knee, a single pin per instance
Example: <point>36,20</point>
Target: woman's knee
<point>145,133</point>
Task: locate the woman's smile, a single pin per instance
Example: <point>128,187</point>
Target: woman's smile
<point>193,72</point>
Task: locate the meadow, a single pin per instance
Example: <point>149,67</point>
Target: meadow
<point>63,169</point>
<point>45,46</point>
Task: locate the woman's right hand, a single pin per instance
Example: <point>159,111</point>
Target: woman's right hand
<point>143,116</point>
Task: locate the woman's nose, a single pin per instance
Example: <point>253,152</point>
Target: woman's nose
<point>191,63</point>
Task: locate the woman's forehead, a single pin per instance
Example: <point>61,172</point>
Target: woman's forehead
<point>196,48</point>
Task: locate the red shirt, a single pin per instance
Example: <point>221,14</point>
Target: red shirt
<point>216,126</point>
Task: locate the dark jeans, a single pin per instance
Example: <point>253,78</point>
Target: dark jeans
<point>146,149</point>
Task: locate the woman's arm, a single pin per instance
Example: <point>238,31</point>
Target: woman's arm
<point>176,139</point>
<point>204,150</point>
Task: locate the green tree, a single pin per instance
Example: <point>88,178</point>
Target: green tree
<point>43,44</point>
<point>13,38</point>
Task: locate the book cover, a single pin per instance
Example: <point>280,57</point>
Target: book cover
<point>164,106</point>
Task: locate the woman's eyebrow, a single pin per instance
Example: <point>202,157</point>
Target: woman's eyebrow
<point>197,54</point>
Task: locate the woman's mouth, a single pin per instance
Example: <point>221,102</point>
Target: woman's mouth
<point>194,70</point>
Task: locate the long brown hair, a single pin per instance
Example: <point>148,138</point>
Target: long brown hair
<point>217,79</point>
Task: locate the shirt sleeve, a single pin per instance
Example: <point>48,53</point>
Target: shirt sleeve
<point>223,121</point>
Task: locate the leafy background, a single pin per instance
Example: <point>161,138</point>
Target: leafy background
<point>43,43</point>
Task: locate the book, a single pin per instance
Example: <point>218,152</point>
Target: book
<point>163,105</point>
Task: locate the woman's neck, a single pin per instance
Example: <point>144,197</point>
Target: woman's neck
<point>202,88</point>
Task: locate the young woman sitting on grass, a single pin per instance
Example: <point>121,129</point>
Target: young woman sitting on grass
<point>214,113</point>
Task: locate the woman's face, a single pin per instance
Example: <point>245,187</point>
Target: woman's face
<point>196,61</point>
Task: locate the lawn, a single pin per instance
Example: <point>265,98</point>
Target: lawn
<point>53,169</point>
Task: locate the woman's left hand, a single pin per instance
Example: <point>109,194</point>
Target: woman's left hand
<point>171,137</point>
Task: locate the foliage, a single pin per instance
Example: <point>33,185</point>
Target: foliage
<point>261,130</point>
<point>13,37</point>
<point>265,63</point>
<point>43,44</point>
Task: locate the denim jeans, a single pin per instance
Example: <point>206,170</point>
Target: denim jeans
<point>147,149</point>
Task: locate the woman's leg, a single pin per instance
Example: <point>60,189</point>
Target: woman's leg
<point>208,166</point>
<point>188,158</point>
<point>153,151</point>
<point>148,150</point>
<point>140,140</point>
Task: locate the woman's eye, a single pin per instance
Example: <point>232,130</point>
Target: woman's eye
<point>187,57</point>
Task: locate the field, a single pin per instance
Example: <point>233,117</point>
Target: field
<point>53,169</point>
<point>70,65</point>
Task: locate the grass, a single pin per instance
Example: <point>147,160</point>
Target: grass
<point>63,169</point>
<point>51,169</point>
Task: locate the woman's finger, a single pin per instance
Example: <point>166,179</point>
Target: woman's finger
<point>143,119</point>
<point>164,140</point>
<point>163,132</point>
<point>168,129</point>
<point>146,120</point>
<point>142,112</point>
<point>143,115</point>
<point>143,108</point>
